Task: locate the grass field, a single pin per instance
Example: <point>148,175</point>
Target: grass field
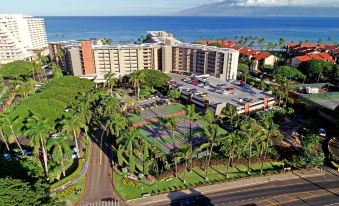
<point>193,179</point>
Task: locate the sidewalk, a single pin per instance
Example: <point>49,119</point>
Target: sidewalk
<point>167,197</point>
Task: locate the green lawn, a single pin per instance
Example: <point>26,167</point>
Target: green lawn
<point>193,179</point>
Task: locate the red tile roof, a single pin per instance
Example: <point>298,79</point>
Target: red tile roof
<point>261,55</point>
<point>321,56</point>
<point>303,58</point>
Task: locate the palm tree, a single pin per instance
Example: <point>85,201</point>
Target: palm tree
<point>3,138</point>
<point>171,124</point>
<point>282,43</point>
<point>72,124</point>
<point>261,43</point>
<point>60,150</point>
<point>270,46</point>
<point>231,143</point>
<point>184,153</point>
<point>209,116</point>
<point>6,120</point>
<point>192,116</point>
<point>116,124</point>
<point>137,78</point>
<point>129,143</point>
<point>231,112</point>
<point>111,105</point>
<point>38,130</point>
<point>249,131</point>
<point>41,61</point>
<point>106,41</point>
<point>272,131</point>
<point>110,81</point>
<point>213,136</point>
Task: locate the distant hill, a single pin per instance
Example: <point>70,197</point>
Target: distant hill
<point>229,8</point>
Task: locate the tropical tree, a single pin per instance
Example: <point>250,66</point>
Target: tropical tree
<point>230,146</point>
<point>243,70</point>
<point>174,94</point>
<point>106,41</point>
<point>250,131</point>
<point>60,150</point>
<point>110,81</point>
<point>116,124</point>
<point>6,121</point>
<point>129,143</point>
<point>3,138</point>
<point>213,136</point>
<point>209,116</point>
<point>171,124</point>
<point>72,124</point>
<point>261,43</point>
<point>39,130</point>
<point>191,116</point>
<point>137,78</point>
<point>282,43</point>
<point>56,70</point>
<point>231,112</point>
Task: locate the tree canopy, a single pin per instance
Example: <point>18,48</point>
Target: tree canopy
<point>216,44</point>
<point>315,69</point>
<point>154,78</point>
<point>288,72</point>
<point>18,70</point>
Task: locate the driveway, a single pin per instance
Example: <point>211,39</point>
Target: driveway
<point>99,184</point>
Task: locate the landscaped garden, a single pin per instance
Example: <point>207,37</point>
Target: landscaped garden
<point>132,189</point>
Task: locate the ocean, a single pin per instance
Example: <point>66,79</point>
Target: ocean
<point>190,29</point>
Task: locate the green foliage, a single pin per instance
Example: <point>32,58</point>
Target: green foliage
<point>267,69</point>
<point>308,159</point>
<point>17,70</point>
<point>69,177</point>
<point>288,72</point>
<point>154,78</point>
<point>315,69</point>
<point>174,94</point>
<point>22,183</point>
<point>56,95</point>
<point>21,193</point>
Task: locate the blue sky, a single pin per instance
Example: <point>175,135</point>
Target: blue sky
<point>96,7</point>
<point>128,7</point>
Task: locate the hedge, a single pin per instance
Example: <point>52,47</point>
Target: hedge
<point>69,177</point>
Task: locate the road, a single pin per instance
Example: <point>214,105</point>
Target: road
<point>313,191</point>
<point>99,186</point>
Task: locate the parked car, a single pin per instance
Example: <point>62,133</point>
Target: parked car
<point>322,132</point>
<point>247,99</point>
<point>195,83</point>
<point>203,95</point>
<point>197,93</point>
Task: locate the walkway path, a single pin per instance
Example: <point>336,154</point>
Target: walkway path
<point>167,197</point>
<point>99,182</point>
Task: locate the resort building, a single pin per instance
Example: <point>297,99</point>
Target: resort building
<point>20,37</point>
<point>163,52</point>
<point>296,61</point>
<point>201,59</point>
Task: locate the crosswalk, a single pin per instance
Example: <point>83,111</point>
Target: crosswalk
<point>103,203</point>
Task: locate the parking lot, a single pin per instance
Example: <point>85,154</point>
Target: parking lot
<point>237,95</point>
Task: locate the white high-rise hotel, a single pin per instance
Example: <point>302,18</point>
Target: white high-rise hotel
<point>20,36</point>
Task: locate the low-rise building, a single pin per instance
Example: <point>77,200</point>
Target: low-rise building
<point>296,61</point>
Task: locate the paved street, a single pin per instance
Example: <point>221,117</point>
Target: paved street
<point>317,191</point>
<point>99,185</point>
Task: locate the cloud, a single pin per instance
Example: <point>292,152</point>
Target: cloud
<point>328,3</point>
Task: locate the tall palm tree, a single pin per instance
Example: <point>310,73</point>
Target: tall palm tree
<point>171,124</point>
<point>213,136</point>
<point>209,116</point>
<point>231,144</point>
<point>231,112</point>
<point>110,81</point>
<point>6,120</point>
<point>110,106</point>
<point>3,138</point>
<point>39,130</point>
<point>250,131</point>
<point>137,78</point>
<point>129,143</point>
<point>261,43</point>
<point>116,124</point>
<point>191,116</point>
<point>282,43</point>
<point>60,150</point>
<point>72,124</point>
